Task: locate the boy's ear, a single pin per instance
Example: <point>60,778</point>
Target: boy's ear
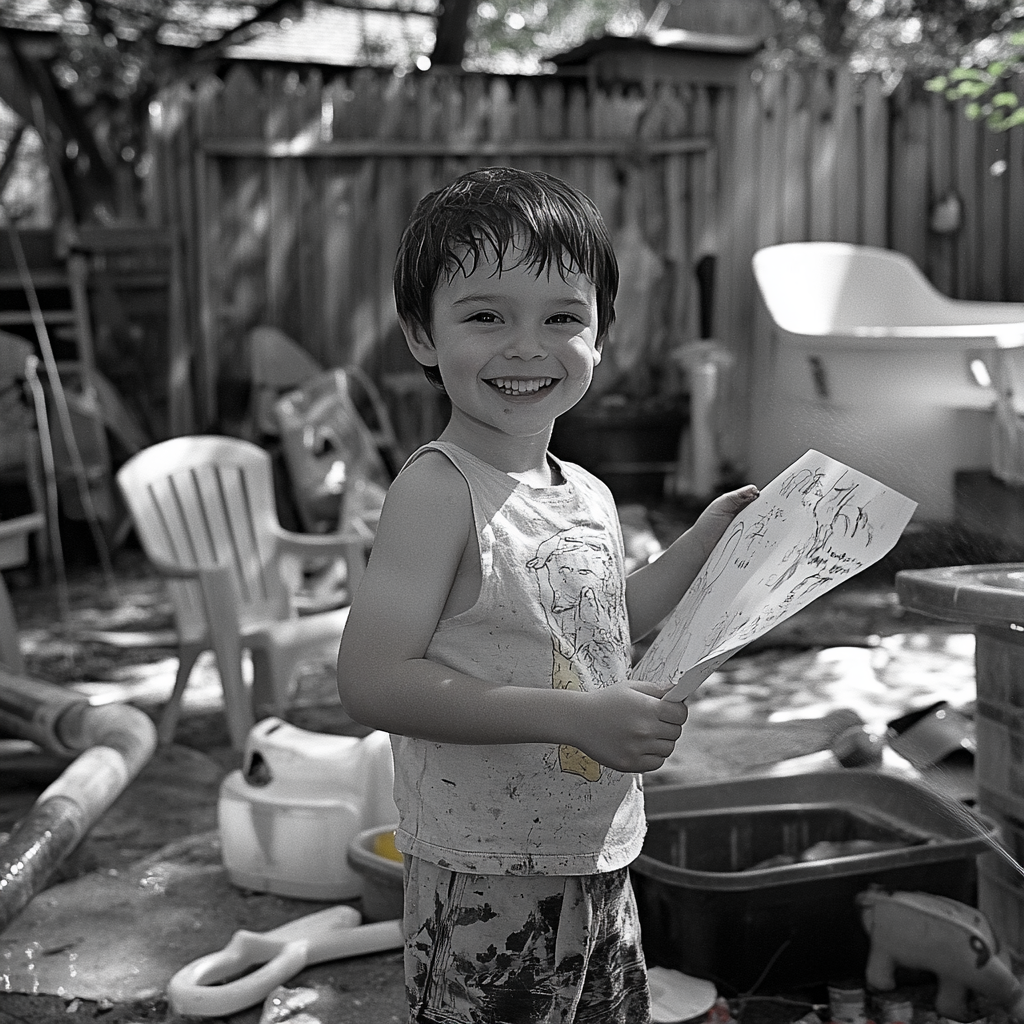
<point>420,344</point>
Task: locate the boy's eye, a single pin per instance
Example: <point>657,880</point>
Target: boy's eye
<point>484,317</point>
<point>563,318</point>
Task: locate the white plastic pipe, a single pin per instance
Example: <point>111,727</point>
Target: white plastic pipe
<point>113,743</point>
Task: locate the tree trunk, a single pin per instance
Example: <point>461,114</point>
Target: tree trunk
<point>452,32</point>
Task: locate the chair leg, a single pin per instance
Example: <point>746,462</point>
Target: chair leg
<point>10,646</point>
<point>222,614</point>
<point>172,709</point>
<point>272,671</point>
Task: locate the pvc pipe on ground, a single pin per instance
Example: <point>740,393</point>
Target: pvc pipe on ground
<point>113,743</point>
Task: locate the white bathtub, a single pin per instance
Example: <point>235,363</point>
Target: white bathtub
<point>869,363</point>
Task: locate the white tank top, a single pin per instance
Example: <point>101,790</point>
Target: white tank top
<point>551,612</point>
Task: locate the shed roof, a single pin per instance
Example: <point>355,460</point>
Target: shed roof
<point>664,39</point>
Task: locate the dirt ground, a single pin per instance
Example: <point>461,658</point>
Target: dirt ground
<point>120,645</point>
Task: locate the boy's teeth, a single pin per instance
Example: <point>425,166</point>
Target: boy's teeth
<point>514,386</point>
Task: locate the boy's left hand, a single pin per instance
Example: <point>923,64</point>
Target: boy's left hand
<point>726,506</point>
<point>712,523</point>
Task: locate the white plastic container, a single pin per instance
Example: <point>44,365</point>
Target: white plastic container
<point>288,816</point>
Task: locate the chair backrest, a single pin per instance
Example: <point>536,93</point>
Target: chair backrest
<point>820,288</point>
<point>201,501</point>
<point>322,432</point>
<point>278,365</point>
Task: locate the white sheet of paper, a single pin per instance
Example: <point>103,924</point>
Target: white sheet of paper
<point>814,526</point>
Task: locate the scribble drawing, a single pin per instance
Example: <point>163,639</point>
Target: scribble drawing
<point>803,482</point>
<point>656,665</point>
<point>724,629</point>
<point>853,518</point>
<point>835,511</point>
<point>579,590</point>
<point>759,528</point>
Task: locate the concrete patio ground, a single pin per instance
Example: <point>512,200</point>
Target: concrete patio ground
<point>853,648</point>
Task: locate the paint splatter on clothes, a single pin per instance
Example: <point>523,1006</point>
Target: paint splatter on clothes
<point>551,613</point>
<point>545,949</point>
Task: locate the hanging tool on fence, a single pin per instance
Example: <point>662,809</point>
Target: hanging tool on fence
<point>35,387</point>
<point>60,402</point>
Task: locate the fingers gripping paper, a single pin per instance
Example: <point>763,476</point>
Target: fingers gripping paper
<point>816,524</point>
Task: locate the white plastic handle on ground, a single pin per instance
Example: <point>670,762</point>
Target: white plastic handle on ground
<point>278,956</point>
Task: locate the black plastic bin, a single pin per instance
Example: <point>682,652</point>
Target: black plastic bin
<point>708,910</point>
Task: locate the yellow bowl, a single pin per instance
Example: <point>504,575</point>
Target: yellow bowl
<point>384,846</point>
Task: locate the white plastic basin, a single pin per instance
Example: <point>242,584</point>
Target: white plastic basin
<point>857,325</point>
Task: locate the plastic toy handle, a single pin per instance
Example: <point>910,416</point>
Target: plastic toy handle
<point>316,928</point>
<point>278,955</point>
<point>367,938</point>
<point>189,993</point>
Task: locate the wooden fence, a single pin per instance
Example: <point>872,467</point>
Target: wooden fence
<point>290,193</point>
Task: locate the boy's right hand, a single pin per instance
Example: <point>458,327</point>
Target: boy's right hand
<point>629,728</point>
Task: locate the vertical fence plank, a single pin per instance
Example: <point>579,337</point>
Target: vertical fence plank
<point>941,266</point>
<point>876,118</point>
<point>992,250</point>
<point>967,139</point>
<point>681,174</point>
<point>795,184</point>
<point>735,294</point>
<point>772,130</point>
<point>283,202</point>
<point>580,169</point>
<point>822,173</point>
<point>910,176</point>
<point>1015,214</point>
<point>207,202</point>
<point>848,160</point>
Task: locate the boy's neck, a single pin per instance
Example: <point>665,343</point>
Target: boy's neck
<point>524,458</point>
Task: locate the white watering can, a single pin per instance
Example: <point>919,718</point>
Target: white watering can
<point>287,817</point>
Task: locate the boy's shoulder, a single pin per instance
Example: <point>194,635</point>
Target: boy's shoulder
<point>429,498</point>
<point>430,472</point>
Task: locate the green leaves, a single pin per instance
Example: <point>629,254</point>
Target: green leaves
<point>987,89</point>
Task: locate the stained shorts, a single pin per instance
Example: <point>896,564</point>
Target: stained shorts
<point>522,949</point>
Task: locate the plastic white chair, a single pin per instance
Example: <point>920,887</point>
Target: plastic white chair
<point>203,508</point>
<point>882,333</point>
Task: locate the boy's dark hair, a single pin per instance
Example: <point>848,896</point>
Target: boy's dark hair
<point>488,210</point>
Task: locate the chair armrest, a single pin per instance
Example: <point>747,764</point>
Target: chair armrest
<point>177,572</point>
<point>351,545</point>
<point>312,545</point>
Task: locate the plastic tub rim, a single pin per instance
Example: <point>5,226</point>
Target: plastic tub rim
<point>951,848</point>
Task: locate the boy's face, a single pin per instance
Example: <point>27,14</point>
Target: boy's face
<point>515,350</point>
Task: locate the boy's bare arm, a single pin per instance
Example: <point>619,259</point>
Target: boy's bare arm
<point>653,590</point>
<point>385,681</point>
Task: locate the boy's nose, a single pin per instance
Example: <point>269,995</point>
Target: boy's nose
<point>523,344</point>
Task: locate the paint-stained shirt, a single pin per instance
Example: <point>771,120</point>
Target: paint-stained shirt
<point>551,612</point>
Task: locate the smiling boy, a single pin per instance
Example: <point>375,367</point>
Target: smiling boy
<point>491,632</point>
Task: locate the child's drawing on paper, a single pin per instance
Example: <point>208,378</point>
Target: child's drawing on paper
<point>815,525</point>
<point>699,592</point>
